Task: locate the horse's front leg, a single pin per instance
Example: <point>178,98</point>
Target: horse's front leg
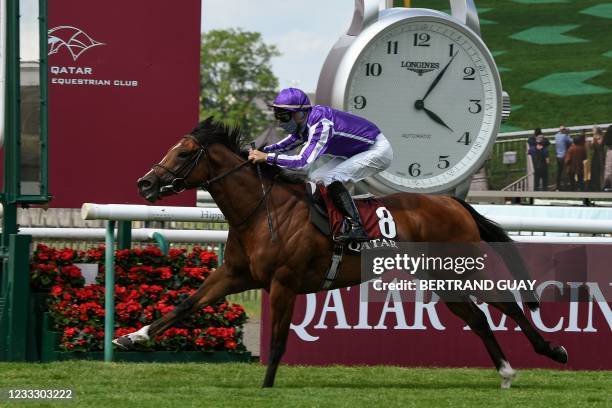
<point>282,300</point>
<point>220,283</point>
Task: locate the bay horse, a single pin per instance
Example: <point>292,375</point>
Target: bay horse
<point>297,260</point>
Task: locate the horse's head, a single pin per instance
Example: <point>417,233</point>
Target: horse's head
<point>187,164</point>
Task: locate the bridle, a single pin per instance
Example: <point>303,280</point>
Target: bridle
<point>178,184</point>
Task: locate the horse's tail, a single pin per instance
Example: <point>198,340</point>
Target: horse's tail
<point>490,231</point>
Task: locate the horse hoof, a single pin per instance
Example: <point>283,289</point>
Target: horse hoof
<point>559,354</point>
<point>126,342</point>
<point>123,342</point>
<point>507,374</point>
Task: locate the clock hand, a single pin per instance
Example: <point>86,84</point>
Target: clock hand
<point>436,118</point>
<point>419,105</point>
<point>439,77</point>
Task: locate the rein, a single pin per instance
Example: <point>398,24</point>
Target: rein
<point>178,184</point>
<point>207,183</point>
<point>263,198</point>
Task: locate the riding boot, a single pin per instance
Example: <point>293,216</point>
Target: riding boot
<point>345,204</point>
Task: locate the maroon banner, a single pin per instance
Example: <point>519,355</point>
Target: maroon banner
<point>332,328</point>
<point>123,88</point>
<point>335,327</point>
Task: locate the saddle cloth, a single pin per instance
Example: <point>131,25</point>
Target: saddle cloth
<point>326,217</point>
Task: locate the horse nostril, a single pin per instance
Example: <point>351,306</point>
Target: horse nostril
<point>148,186</point>
<point>144,184</point>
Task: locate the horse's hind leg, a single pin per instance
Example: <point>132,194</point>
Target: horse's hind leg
<point>282,300</point>
<point>541,346</point>
<point>467,310</point>
<point>219,284</point>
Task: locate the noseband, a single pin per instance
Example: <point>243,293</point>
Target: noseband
<point>178,184</point>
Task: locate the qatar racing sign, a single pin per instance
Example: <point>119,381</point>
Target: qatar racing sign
<point>123,88</point>
<point>346,326</point>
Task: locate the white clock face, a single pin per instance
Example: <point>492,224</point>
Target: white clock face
<point>431,91</point>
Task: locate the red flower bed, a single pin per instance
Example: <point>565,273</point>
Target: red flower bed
<point>147,285</point>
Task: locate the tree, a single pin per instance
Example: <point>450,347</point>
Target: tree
<point>237,78</point>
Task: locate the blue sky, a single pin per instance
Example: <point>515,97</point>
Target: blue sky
<point>304,31</point>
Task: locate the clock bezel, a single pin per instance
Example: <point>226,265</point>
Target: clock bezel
<point>387,21</point>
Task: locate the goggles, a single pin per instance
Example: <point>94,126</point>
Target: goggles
<point>283,115</point>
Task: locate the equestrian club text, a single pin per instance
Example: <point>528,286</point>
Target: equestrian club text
<point>87,72</point>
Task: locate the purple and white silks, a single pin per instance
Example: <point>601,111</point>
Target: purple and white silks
<point>330,132</point>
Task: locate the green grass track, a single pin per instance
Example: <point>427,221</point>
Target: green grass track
<point>97,384</point>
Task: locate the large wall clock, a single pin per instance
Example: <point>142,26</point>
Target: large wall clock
<point>429,82</point>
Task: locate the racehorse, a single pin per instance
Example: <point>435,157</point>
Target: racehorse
<point>295,262</point>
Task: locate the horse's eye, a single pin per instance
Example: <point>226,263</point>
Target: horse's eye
<point>183,155</point>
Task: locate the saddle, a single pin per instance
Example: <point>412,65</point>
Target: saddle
<point>327,219</point>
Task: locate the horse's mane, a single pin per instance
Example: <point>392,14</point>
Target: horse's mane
<point>211,131</point>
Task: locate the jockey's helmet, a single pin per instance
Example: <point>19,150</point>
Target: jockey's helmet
<point>289,100</point>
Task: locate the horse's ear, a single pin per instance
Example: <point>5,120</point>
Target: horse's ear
<point>207,123</point>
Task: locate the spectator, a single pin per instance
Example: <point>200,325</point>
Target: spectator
<point>562,142</point>
<point>574,159</point>
<point>539,157</point>
<point>608,165</point>
<point>532,139</point>
<point>597,160</point>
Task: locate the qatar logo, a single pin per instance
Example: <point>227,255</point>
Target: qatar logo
<point>73,39</point>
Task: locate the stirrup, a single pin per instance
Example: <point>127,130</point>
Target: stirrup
<point>356,233</point>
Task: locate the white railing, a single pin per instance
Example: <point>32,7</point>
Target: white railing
<point>522,184</point>
<point>138,234</point>
<point>584,226</point>
<point>521,135</point>
<point>220,237</point>
<point>579,222</point>
<point>583,220</point>
<point>125,212</point>
<point>547,239</point>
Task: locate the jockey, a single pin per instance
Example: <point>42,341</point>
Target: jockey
<point>356,147</point>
